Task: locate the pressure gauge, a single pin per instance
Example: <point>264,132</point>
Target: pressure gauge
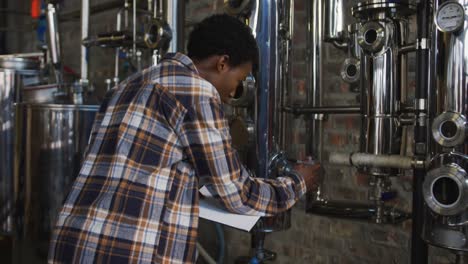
<point>450,16</point>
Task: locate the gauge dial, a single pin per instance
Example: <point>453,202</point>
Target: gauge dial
<point>450,17</point>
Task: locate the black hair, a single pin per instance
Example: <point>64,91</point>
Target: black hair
<point>223,34</point>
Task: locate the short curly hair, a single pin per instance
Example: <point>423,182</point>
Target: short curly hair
<point>223,34</point>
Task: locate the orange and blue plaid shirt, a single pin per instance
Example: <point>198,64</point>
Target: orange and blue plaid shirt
<point>156,137</point>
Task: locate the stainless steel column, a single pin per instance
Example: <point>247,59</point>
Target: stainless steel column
<point>445,186</point>
<point>383,31</point>
<point>382,76</point>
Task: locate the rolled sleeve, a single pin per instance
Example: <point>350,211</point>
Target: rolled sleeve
<point>216,162</point>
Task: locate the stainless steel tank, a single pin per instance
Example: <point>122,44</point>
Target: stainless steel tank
<point>445,187</point>
<point>51,140</point>
<point>13,69</point>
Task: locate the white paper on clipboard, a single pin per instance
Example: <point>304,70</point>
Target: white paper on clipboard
<point>211,210</point>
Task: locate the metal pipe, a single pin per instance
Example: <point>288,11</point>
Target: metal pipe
<point>134,28</point>
<point>340,45</point>
<point>335,24</point>
<point>419,249</point>
<point>408,48</point>
<point>54,42</point>
<point>117,50</point>
<point>150,7</point>
<point>378,161</point>
<point>84,35</point>
<point>286,20</point>
<point>356,211</point>
<point>175,17</point>
<point>456,96</point>
<point>267,80</point>
<point>160,7</point>
<point>323,110</point>
<point>53,34</point>
<point>33,55</point>
<point>3,23</point>
<point>314,94</point>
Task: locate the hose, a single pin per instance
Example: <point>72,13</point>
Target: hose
<point>205,254</point>
<point>221,243</point>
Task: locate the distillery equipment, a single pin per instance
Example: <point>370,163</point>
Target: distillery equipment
<point>373,37</point>
<point>376,67</point>
<point>444,187</point>
<point>15,70</point>
<point>142,35</point>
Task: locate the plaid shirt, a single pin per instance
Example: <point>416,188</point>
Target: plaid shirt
<point>156,137</point>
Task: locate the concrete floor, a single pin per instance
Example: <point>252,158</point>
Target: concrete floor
<point>6,249</point>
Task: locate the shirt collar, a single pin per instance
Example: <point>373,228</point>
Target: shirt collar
<point>182,58</point>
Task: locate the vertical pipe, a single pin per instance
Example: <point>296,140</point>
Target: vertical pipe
<point>335,23</point>
<point>159,7</point>
<point>84,35</point>
<point>419,250</point>
<point>3,23</point>
<point>150,6</point>
<point>54,42</point>
<point>53,34</point>
<point>267,40</point>
<point>134,28</point>
<point>314,94</point>
<point>287,33</point>
<point>117,50</point>
<point>175,17</point>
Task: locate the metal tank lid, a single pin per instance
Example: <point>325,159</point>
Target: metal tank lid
<point>20,62</point>
<point>59,107</point>
<point>366,8</point>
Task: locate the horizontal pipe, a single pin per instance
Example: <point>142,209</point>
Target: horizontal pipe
<point>322,110</point>
<point>379,161</point>
<point>23,55</point>
<point>340,45</point>
<point>408,48</point>
<point>356,211</point>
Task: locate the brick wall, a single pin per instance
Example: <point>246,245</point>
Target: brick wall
<point>311,239</point>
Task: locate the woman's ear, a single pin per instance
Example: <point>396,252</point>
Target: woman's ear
<point>222,64</point>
